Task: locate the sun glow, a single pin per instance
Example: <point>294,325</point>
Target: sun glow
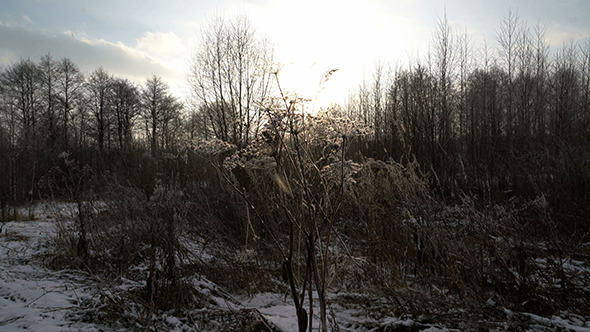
<point>312,37</point>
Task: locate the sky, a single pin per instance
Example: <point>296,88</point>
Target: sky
<point>139,38</point>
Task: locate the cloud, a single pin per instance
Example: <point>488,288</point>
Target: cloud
<point>166,48</point>
<point>557,35</point>
<point>117,58</point>
<point>27,19</point>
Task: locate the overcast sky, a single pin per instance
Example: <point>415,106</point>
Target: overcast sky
<point>136,39</point>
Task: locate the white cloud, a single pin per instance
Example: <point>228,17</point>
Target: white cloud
<point>166,48</point>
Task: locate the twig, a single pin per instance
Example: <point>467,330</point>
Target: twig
<point>40,296</point>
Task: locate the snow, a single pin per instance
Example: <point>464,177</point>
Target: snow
<point>280,311</point>
<point>275,309</point>
<point>559,323</point>
<point>490,302</point>
<point>33,297</point>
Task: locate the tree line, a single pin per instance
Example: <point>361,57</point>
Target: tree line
<point>51,106</point>
<point>492,123</point>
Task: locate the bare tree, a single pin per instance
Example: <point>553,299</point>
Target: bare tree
<point>465,60</point>
<point>69,85</point>
<point>231,79</point>
<point>378,102</point>
<point>444,58</point>
<point>153,97</point>
<point>171,123</point>
<point>81,119</point>
<point>48,79</point>
<point>8,143</point>
<point>508,39</point>
<point>541,61</point>
<point>22,87</point>
<point>364,103</point>
<point>126,107</point>
<point>99,88</point>
<point>565,86</point>
<point>21,82</point>
<point>585,90</point>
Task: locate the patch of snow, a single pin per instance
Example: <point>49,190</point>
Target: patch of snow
<point>560,323</point>
<point>275,309</point>
<point>490,302</point>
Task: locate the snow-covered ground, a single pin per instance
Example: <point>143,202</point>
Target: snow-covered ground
<point>34,297</point>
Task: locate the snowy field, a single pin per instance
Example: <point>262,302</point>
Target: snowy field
<point>34,297</point>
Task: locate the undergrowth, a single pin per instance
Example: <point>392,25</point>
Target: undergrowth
<point>391,238</point>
